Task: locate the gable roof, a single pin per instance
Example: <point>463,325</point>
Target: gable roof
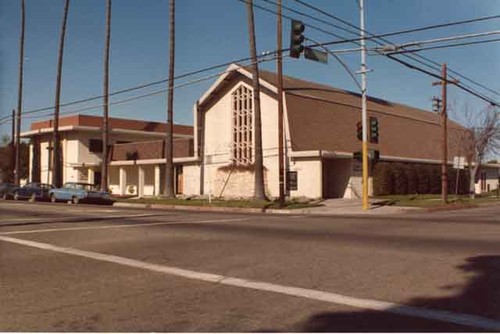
<point>321,117</point>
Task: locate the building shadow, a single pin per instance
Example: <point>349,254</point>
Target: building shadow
<point>480,297</point>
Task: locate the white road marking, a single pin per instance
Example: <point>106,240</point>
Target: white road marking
<point>324,296</point>
<point>116,226</point>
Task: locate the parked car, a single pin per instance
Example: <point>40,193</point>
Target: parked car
<point>32,191</point>
<point>79,193</point>
<point>6,190</point>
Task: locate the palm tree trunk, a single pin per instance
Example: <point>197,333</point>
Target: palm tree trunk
<point>259,164</point>
<point>57,176</point>
<point>105,125</point>
<point>17,141</point>
<point>169,147</point>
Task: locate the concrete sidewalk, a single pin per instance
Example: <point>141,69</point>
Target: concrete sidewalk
<point>340,206</point>
<point>335,206</point>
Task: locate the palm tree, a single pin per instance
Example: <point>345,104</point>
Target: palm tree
<point>57,177</point>
<point>259,164</point>
<point>105,125</point>
<point>17,162</point>
<point>169,147</point>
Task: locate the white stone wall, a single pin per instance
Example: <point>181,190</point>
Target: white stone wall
<point>218,144</point>
<point>492,174</point>
<point>309,177</point>
<point>191,179</point>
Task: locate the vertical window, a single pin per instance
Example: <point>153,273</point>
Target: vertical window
<point>242,148</point>
<point>483,181</point>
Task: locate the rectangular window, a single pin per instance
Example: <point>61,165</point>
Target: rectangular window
<point>95,145</point>
<point>242,150</point>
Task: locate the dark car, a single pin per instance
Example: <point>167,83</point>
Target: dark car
<point>6,190</point>
<point>33,191</point>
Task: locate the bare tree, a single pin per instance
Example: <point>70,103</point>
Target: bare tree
<point>169,141</point>
<point>480,138</point>
<point>259,163</point>
<point>57,176</point>
<point>105,124</point>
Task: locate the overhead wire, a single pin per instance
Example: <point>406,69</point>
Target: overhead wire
<point>7,120</point>
<point>413,56</point>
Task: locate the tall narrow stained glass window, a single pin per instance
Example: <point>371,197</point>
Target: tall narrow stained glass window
<point>242,149</point>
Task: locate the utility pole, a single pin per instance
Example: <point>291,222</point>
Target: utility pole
<point>365,203</point>
<point>105,124</point>
<point>259,163</point>
<point>444,126</point>
<point>169,142</point>
<point>57,176</point>
<point>17,164</point>
<point>279,64</point>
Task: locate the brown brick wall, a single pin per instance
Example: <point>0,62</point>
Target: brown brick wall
<point>150,150</point>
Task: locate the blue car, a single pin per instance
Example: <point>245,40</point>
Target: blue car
<point>33,191</point>
<point>77,192</point>
<point>6,190</point>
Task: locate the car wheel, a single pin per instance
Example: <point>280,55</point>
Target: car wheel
<point>16,196</point>
<point>53,198</point>
<point>75,200</point>
<point>33,197</point>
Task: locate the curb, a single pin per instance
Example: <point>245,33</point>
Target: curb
<point>247,210</point>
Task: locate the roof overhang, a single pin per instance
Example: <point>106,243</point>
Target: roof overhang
<point>69,128</point>
<point>153,161</point>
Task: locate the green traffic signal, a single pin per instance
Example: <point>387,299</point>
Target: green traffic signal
<point>296,38</point>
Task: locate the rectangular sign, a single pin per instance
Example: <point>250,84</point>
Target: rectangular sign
<point>291,180</point>
<point>316,55</point>
<point>459,162</point>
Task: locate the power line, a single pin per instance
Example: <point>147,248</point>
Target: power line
<point>400,32</point>
<point>446,46</point>
<point>289,18</point>
<point>381,37</point>
<point>493,103</point>
<point>439,40</point>
<point>7,120</point>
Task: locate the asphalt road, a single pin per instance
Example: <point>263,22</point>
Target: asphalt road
<point>98,268</point>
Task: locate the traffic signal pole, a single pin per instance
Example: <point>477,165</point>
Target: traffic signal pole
<point>365,203</point>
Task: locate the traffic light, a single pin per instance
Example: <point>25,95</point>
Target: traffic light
<point>374,155</point>
<point>296,39</point>
<point>373,130</point>
<point>359,130</point>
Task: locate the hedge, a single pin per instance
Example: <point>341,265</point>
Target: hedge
<point>396,178</point>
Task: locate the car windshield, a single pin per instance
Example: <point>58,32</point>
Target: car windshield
<point>85,186</point>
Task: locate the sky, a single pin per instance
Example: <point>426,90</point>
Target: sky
<point>211,32</point>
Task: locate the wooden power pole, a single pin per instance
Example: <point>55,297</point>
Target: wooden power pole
<point>444,126</point>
